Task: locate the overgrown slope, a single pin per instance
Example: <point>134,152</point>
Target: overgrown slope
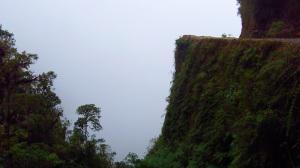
<point>233,103</point>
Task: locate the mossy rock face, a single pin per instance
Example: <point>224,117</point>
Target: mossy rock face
<point>259,18</point>
<point>233,103</point>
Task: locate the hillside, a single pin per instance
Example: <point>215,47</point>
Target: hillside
<point>233,103</point>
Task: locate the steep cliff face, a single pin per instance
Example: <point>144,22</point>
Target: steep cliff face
<point>270,18</point>
<point>233,103</point>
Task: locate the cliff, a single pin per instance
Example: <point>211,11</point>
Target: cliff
<point>270,18</point>
<point>233,103</point>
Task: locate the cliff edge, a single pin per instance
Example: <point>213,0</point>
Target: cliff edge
<point>233,103</point>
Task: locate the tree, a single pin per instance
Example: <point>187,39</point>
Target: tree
<point>89,118</point>
<point>32,131</point>
<point>15,79</point>
<point>86,149</point>
<point>132,159</point>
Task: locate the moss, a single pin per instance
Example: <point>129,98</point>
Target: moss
<point>233,103</point>
<point>276,28</point>
<point>270,18</point>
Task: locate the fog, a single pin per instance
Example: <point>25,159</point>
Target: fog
<point>117,54</point>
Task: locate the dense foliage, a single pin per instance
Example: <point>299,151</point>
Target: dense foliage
<point>33,133</point>
<point>233,103</point>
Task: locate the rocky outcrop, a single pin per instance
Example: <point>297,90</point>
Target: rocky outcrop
<point>270,18</point>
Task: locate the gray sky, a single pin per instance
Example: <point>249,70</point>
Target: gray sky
<point>117,54</point>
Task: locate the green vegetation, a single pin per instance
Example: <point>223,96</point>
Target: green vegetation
<point>276,28</point>
<point>224,35</point>
<point>33,133</point>
<point>260,18</point>
<point>233,103</point>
